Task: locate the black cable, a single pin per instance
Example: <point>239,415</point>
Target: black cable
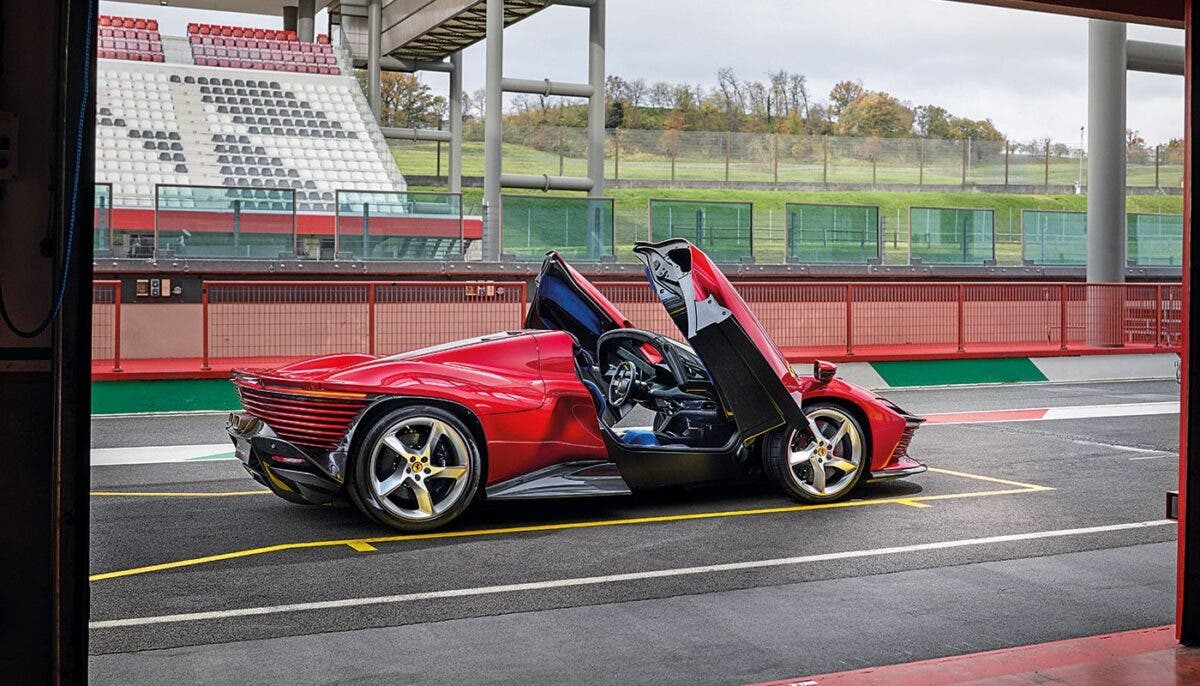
<point>78,171</point>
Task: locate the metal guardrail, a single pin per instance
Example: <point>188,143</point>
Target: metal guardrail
<point>263,322</point>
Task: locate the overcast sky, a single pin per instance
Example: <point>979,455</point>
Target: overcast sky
<point>1026,71</point>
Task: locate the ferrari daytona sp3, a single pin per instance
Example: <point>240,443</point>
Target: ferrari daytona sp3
<point>551,411</point>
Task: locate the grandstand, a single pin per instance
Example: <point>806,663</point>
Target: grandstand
<point>280,125</point>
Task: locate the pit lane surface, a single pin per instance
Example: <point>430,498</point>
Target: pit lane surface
<point>654,587</point>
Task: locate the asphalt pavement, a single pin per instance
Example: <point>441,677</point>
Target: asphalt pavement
<point>1021,532</point>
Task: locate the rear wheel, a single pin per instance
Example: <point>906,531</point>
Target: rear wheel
<point>823,467</point>
<point>417,469</point>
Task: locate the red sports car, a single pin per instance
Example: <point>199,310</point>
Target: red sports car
<point>549,411</point>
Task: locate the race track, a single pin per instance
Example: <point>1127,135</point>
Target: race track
<point>1022,531</point>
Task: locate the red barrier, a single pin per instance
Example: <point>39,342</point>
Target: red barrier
<point>942,319</point>
<point>106,322</point>
<point>256,323</point>
<point>130,219</point>
<point>267,321</point>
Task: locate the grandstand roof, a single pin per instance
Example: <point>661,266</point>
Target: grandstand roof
<point>435,29</point>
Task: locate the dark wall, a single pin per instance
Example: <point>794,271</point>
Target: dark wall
<point>44,375</point>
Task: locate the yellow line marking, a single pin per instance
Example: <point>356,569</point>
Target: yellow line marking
<point>163,494</point>
<point>362,546</point>
<point>912,503</point>
<point>1006,482</point>
<point>352,542</point>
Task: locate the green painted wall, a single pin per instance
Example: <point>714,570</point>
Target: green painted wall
<point>947,372</point>
<point>174,395</point>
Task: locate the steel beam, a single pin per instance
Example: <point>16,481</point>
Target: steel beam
<point>492,129</point>
<point>545,182</point>
<point>1106,178</point>
<point>374,26</point>
<point>1156,58</point>
<point>306,12</point>
<point>415,134</point>
<point>595,121</point>
<point>547,87</point>
<point>454,172</point>
<point>393,64</point>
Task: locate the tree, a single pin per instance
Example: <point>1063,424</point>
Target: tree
<point>1136,150</point>
<point>662,95</point>
<point>842,94</point>
<point>932,121</point>
<point>405,101</point>
<point>616,115</point>
<point>732,99</point>
<point>875,114</point>
<point>975,129</point>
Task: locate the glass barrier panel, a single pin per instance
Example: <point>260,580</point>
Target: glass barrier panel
<point>1053,237</point>
<point>408,225</point>
<point>225,223</point>
<point>579,228</point>
<point>102,217</point>
<point>951,236</point>
<point>833,234</point>
<point>1155,240</point>
<point>721,229</point>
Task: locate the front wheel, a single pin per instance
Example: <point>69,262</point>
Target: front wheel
<point>822,464</point>
<point>417,469</point>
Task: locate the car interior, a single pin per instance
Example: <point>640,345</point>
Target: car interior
<point>624,369</point>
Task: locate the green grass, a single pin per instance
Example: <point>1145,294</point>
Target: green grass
<point>770,220</point>
<point>421,158</point>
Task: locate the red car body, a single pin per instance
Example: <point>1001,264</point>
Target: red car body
<point>523,397</point>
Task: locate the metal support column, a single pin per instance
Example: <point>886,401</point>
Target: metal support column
<point>374,27</point>
<point>1106,179</point>
<point>492,132</point>
<point>305,21</point>
<point>595,120</point>
<point>454,172</point>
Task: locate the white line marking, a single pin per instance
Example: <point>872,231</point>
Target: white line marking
<point>1152,457</point>
<point>1126,448</point>
<point>614,578</point>
<point>158,453</point>
<point>1119,410</point>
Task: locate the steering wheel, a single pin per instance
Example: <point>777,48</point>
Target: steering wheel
<point>622,382</point>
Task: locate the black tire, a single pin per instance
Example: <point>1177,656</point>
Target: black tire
<point>796,481</point>
<point>372,471</point>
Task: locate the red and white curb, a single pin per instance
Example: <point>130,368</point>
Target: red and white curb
<point>1034,414</point>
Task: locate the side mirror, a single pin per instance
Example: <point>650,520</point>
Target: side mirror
<point>824,371</point>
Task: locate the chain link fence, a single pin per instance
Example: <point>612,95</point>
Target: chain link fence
<point>714,158</point>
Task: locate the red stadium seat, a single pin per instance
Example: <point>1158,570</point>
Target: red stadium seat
<point>152,24</point>
<point>291,35</point>
<point>323,38</point>
<point>139,24</point>
<point>226,31</point>
<point>105,21</point>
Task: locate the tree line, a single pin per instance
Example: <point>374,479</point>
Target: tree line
<point>782,103</point>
